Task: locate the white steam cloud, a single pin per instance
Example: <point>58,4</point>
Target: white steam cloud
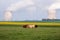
<point>8,15</point>
<point>20,4</point>
<point>55,6</point>
<point>16,6</point>
<point>52,10</point>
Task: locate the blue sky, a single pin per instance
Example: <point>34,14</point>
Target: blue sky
<point>31,10</point>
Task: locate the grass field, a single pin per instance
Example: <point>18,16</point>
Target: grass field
<point>20,33</point>
<point>15,31</point>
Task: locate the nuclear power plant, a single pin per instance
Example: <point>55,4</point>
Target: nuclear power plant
<point>51,10</point>
<point>15,6</point>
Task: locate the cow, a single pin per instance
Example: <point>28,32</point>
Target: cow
<point>30,26</point>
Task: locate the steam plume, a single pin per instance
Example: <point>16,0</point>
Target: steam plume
<point>16,6</point>
<point>8,15</point>
<point>52,10</point>
<point>20,4</point>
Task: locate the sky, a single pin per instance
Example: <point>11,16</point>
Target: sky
<point>28,9</point>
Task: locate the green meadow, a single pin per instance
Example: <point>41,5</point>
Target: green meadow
<point>15,31</point>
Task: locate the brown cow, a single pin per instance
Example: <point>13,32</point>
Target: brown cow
<point>30,26</point>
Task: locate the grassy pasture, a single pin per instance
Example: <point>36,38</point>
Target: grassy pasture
<point>19,33</point>
<point>15,31</point>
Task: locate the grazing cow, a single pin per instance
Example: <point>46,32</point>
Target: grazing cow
<point>36,26</point>
<point>25,26</point>
<point>30,26</point>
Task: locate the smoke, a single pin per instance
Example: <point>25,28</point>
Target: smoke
<point>20,4</point>
<point>8,15</point>
<point>51,14</point>
<point>16,6</point>
<point>55,6</point>
<point>52,10</point>
<point>56,0</point>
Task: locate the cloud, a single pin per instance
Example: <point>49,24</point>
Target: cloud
<point>20,4</point>
<point>31,9</point>
<point>55,6</point>
<point>56,0</point>
<point>39,6</point>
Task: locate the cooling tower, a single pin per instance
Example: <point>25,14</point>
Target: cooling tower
<point>15,6</point>
<point>52,10</point>
<point>52,14</point>
<point>7,15</point>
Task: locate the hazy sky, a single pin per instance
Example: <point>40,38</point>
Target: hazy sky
<point>28,9</point>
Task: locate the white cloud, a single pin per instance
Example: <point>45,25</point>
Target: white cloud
<point>31,9</point>
<point>57,0</point>
<point>20,4</point>
<point>39,5</point>
<point>55,6</point>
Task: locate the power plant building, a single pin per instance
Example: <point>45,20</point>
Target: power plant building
<point>51,20</point>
